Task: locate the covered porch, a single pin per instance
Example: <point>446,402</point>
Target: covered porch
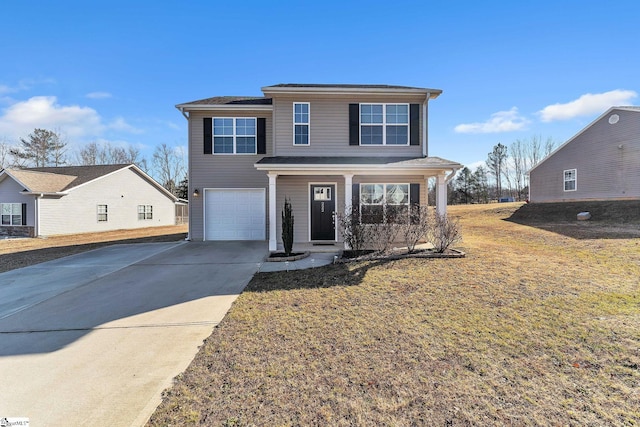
<point>320,187</point>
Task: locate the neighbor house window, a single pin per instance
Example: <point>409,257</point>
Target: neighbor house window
<point>570,180</point>
<point>384,124</point>
<point>301,123</point>
<point>11,213</point>
<point>234,135</point>
<point>380,202</point>
<point>145,212</point>
<point>102,213</point>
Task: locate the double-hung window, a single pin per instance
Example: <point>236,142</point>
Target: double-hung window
<point>234,135</point>
<point>384,124</point>
<point>300,123</point>
<point>102,213</point>
<point>145,212</point>
<point>11,213</point>
<point>384,202</point>
<point>570,179</point>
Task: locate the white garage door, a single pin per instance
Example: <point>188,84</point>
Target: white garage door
<point>237,214</point>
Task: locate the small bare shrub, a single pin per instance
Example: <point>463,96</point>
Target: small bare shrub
<point>355,234</point>
<point>417,228</point>
<point>444,232</point>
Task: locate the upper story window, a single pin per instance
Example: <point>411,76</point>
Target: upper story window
<point>11,213</point>
<point>570,180</point>
<point>384,124</point>
<point>234,135</point>
<point>300,123</point>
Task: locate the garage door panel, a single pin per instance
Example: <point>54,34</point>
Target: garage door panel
<point>235,214</point>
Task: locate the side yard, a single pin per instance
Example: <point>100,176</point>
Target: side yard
<point>533,327</point>
<point>17,253</point>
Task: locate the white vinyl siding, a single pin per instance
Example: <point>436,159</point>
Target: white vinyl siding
<point>301,123</point>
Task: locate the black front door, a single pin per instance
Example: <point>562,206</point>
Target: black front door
<point>323,207</point>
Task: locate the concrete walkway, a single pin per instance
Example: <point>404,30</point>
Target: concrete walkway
<point>93,339</point>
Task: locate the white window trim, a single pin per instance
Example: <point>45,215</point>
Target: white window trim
<point>146,211</point>
<point>11,215</point>
<point>213,137</point>
<point>105,213</point>
<point>384,124</point>
<point>575,179</point>
<point>384,199</point>
<point>308,124</point>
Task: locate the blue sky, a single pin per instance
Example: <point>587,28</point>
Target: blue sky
<point>113,71</point>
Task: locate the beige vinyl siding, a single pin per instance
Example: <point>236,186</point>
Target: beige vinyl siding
<point>10,192</point>
<point>121,191</point>
<point>604,171</point>
<point>221,170</point>
<point>329,126</point>
<point>296,188</point>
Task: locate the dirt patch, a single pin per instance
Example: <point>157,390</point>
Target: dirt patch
<point>17,253</point>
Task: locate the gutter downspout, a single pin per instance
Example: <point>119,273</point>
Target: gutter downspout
<point>450,176</point>
<point>425,125</point>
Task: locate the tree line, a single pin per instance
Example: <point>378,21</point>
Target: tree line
<point>45,148</point>
<point>504,173</point>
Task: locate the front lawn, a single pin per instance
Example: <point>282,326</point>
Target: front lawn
<point>531,328</point>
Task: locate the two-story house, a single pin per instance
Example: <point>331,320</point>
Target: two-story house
<point>325,147</point>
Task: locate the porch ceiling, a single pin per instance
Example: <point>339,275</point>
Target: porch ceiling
<point>357,165</point>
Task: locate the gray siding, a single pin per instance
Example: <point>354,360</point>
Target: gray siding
<point>296,188</point>
<point>121,191</point>
<point>329,126</point>
<point>218,170</point>
<point>604,170</point>
<point>10,192</point>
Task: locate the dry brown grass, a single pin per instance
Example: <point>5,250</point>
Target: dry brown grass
<point>17,253</point>
<point>531,328</point>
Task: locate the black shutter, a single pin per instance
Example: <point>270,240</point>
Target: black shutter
<point>24,214</point>
<point>414,116</point>
<point>354,124</point>
<point>414,200</point>
<point>208,135</point>
<point>262,135</point>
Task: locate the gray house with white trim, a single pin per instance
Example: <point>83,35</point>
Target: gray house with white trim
<point>601,162</point>
<point>80,199</point>
<point>325,147</point>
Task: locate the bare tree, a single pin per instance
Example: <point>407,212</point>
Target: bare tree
<point>517,151</point>
<point>169,166</point>
<point>5,154</point>
<point>41,148</point>
<point>106,154</point>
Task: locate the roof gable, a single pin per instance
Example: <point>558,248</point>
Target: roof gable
<point>603,116</point>
<point>81,175</point>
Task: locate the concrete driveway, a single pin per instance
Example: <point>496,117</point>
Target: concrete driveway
<point>94,338</point>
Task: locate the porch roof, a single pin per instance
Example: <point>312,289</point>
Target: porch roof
<point>353,164</point>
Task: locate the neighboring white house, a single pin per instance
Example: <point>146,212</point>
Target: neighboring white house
<point>80,199</point>
<point>601,162</point>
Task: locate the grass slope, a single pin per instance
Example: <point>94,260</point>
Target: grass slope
<point>531,328</point>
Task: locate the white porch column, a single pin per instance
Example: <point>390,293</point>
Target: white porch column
<point>441,194</point>
<point>348,194</point>
<point>273,243</point>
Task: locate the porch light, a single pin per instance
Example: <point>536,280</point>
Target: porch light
<point>196,193</point>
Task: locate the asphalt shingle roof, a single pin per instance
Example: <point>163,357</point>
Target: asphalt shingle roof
<point>61,178</point>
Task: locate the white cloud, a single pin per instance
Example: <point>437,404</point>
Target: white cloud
<point>98,95</point>
<point>587,104</point>
<point>502,121</point>
<point>21,118</point>
<point>24,84</point>
<point>475,165</point>
<point>120,124</point>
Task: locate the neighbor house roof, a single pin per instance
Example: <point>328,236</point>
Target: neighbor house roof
<point>59,180</point>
